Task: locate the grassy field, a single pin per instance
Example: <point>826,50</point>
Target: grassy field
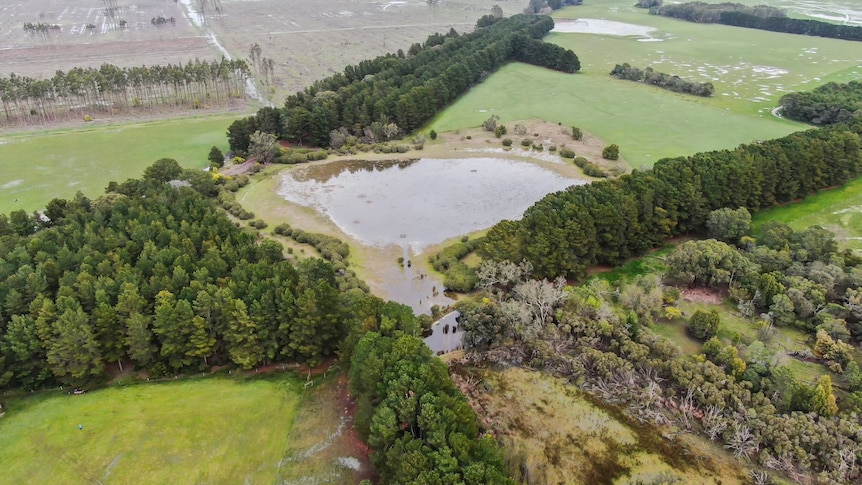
<point>211,430</point>
<point>839,210</point>
<point>750,69</point>
<point>36,167</point>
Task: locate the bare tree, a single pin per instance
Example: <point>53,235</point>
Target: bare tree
<point>541,296</point>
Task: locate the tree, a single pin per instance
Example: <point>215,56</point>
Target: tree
<point>704,325</point>
<point>264,146</point>
<point>728,225</point>
<point>823,401</point>
<point>216,157</point>
<point>73,353</point>
<point>611,152</point>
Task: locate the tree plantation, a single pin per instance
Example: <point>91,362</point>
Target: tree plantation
<point>85,92</point>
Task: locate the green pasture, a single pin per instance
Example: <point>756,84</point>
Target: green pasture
<point>750,69</point>
<point>839,210</point>
<point>213,430</point>
<point>36,167</point>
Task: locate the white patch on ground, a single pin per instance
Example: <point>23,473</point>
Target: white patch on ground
<point>855,208</point>
<point>14,183</point>
<point>598,26</point>
<point>544,156</point>
<point>392,4</point>
<point>350,462</point>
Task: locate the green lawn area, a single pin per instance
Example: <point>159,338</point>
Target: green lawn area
<point>210,430</point>
<point>839,210</point>
<point>750,69</point>
<point>36,167</point>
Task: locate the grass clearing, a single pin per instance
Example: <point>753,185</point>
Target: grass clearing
<point>36,167</point>
<point>838,209</point>
<point>215,430</point>
<point>219,429</point>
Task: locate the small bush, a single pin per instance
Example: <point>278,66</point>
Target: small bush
<point>88,118</point>
<point>567,153</point>
<point>552,148</point>
<point>576,133</point>
<point>500,131</point>
<point>469,137</point>
<point>581,162</point>
<point>520,130</point>
<point>432,134</point>
<point>611,152</point>
<point>593,170</point>
<point>538,147</point>
<point>526,142</point>
<point>402,148</point>
<point>507,142</point>
<point>282,229</point>
<point>258,224</point>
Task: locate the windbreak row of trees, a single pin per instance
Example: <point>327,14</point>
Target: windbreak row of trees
<point>84,91</point>
<point>608,221</point>
<point>760,17</point>
<point>825,105</point>
<point>405,89</point>
<point>662,80</point>
<point>156,275</point>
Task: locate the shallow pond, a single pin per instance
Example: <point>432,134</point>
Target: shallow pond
<point>417,203</point>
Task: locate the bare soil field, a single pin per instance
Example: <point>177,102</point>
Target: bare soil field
<point>308,41</point>
<point>84,34</point>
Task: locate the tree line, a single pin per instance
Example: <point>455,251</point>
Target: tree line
<point>760,17</point>
<point>82,91</point>
<point>662,80</point>
<point>609,221</point>
<point>405,89</point>
<point>599,337</point>
<point>824,105</point>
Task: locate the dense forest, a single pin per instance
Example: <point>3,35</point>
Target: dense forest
<point>609,221</point>
<point>600,338</point>
<point>827,104</point>
<point>84,92</point>
<point>760,17</point>
<point>405,89</point>
<point>662,80</point>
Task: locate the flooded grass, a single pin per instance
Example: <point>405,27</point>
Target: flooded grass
<point>555,433</point>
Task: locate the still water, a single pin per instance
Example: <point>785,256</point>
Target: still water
<point>417,203</point>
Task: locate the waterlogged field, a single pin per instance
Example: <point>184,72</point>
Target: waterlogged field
<point>37,167</point>
<point>750,70</point>
<point>213,430</point>
<point>553,433</point>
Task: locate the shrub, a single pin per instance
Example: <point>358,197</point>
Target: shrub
<point>526,142</point>
<point>432,134</point>
<point>704,325</point>
<point>593,170</point>
<point>282,229</point>
<point>500,131</point>
<point>611,152</point>
<point>520,130</point>
<point>538,147</point>
<point>469,137</point>
<point>576,133</point>
<point>581,162</point>
<point>507,142</point>
<point>552,148</point>
<point>258,224</point>
<point>567,153</point>
<point>491,123</point>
